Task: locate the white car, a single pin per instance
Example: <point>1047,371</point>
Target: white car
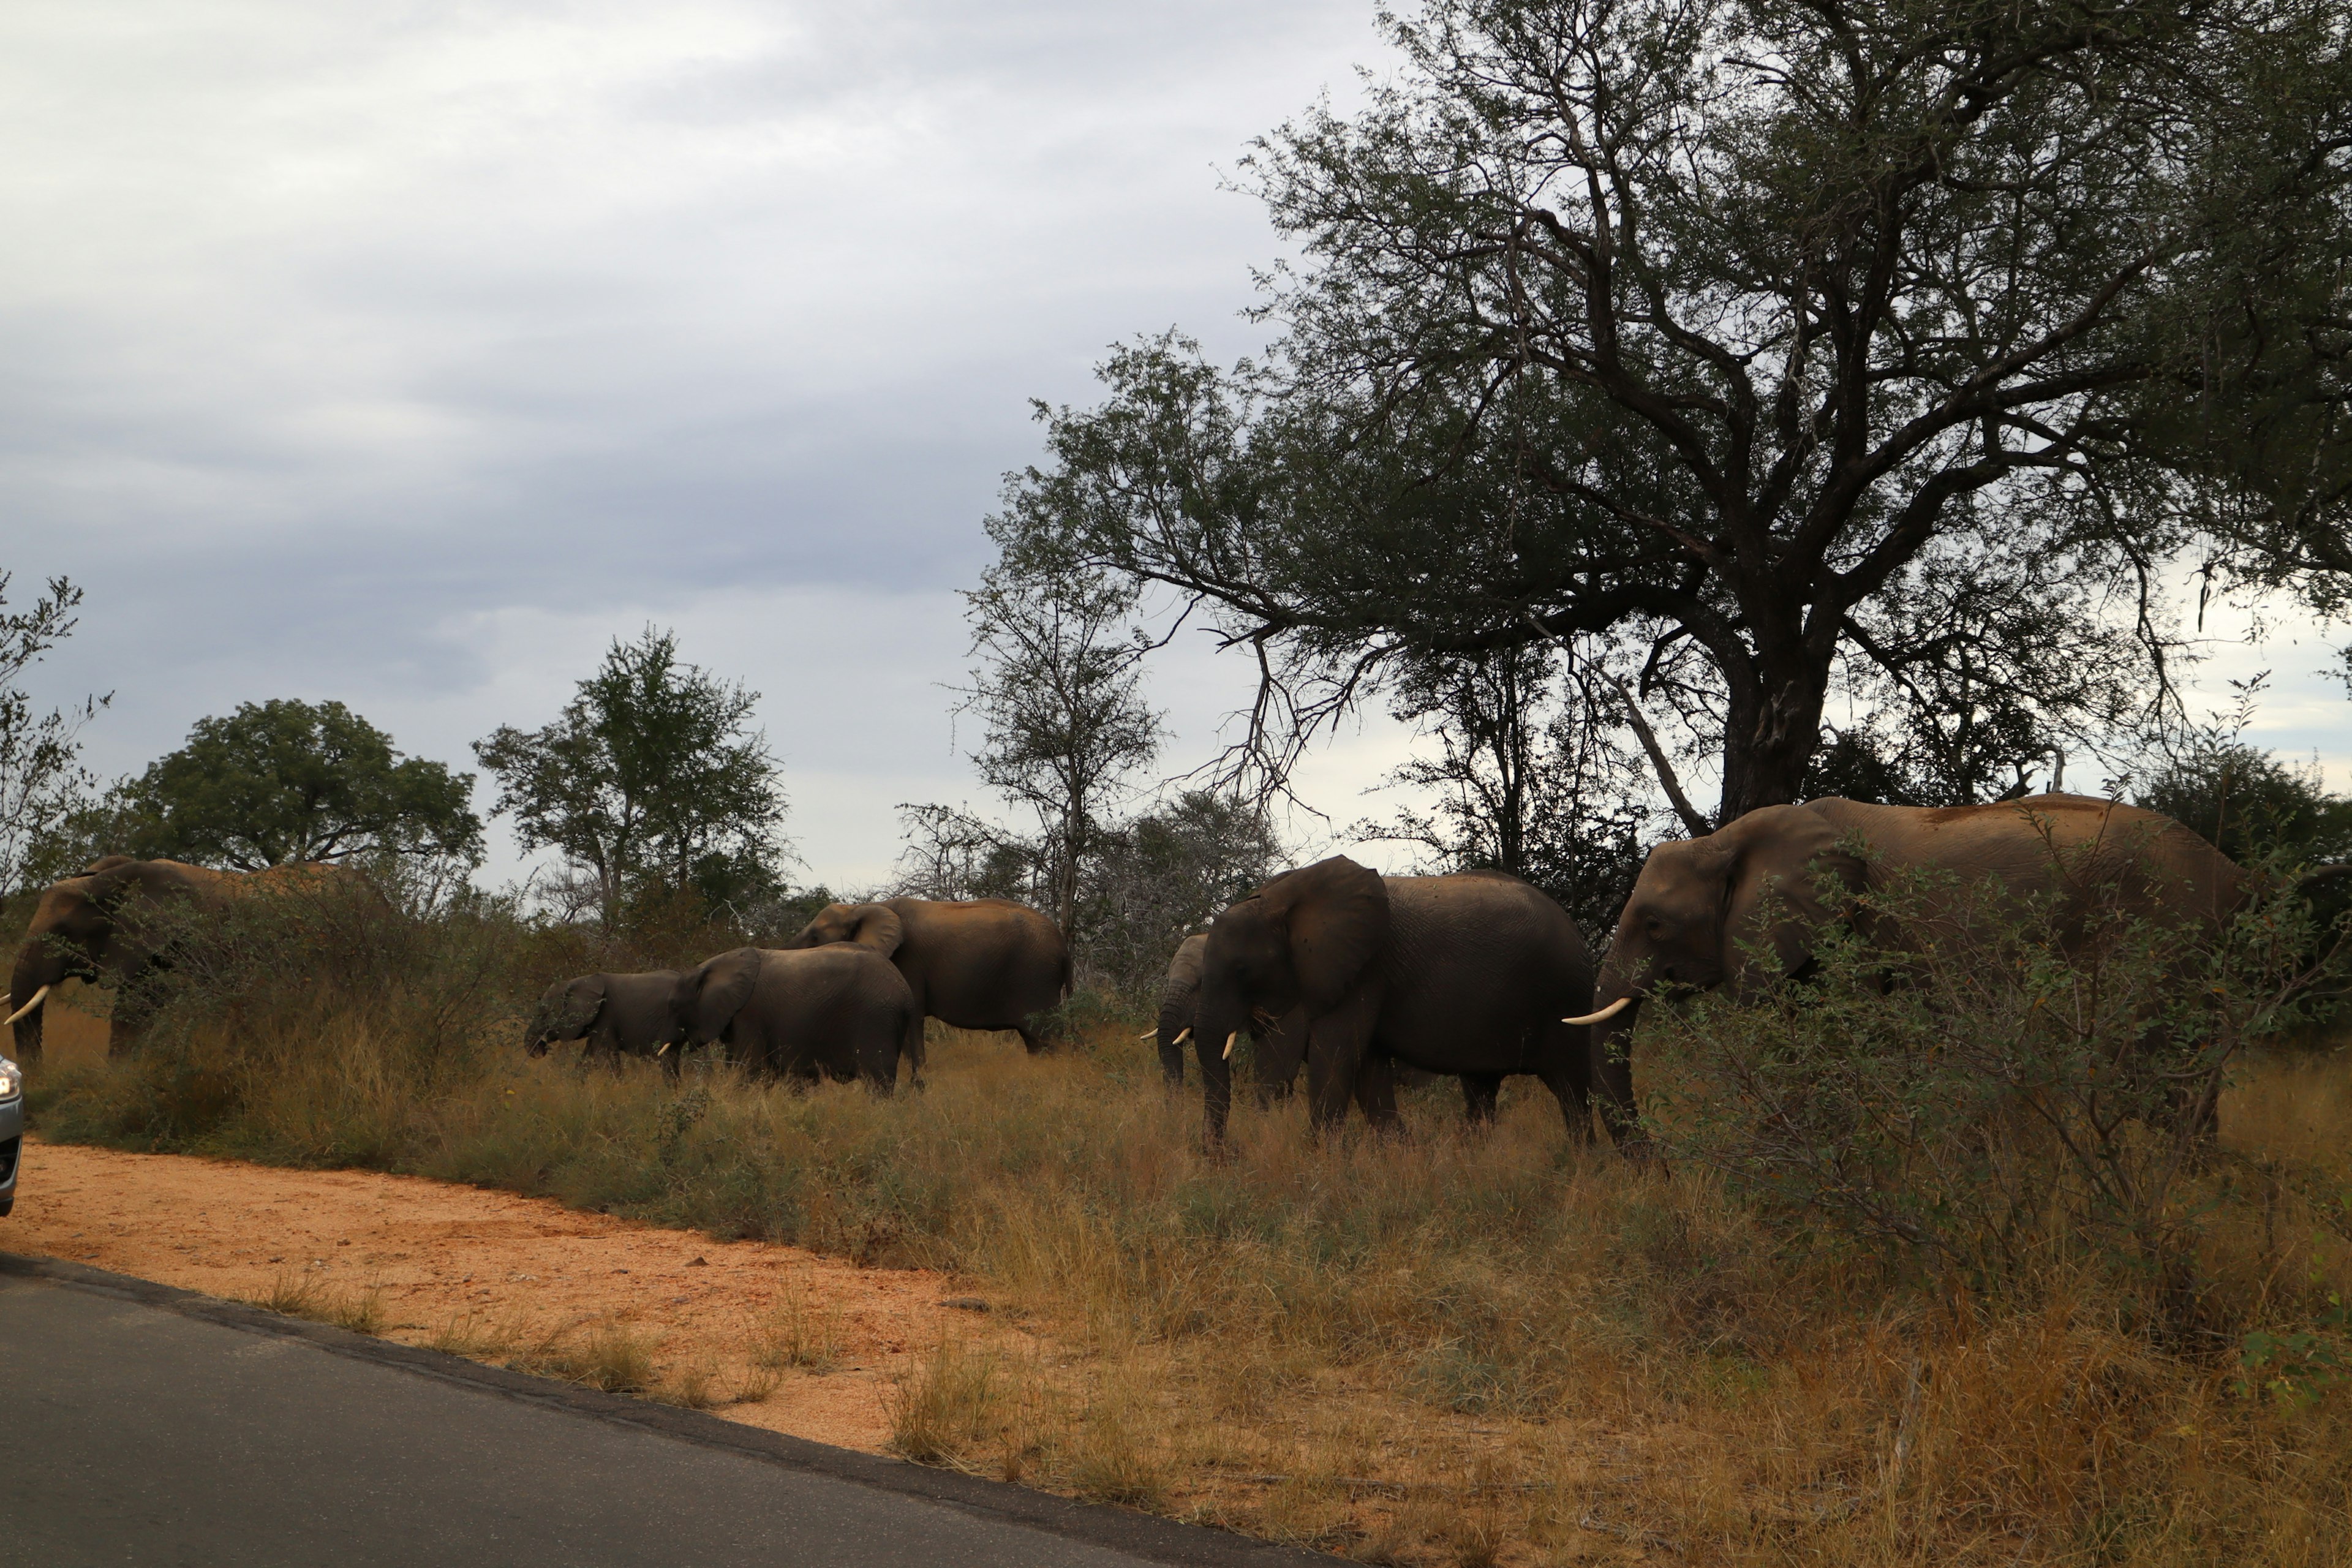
<point>12,1130</point>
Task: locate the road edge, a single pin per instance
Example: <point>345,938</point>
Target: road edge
<point>1118,1530</point>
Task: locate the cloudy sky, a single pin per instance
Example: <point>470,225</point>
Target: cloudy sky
<point>407,353</point>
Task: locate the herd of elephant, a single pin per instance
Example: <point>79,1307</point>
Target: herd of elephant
<point>1355,976</point>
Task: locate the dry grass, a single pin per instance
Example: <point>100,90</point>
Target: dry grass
<point>306,1295</point>
<point>798,1333</point>
<point>1435,1350</point>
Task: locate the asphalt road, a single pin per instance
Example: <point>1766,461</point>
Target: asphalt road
<point>142,1425</point>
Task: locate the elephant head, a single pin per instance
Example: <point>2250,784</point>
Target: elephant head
<point>1308,942</point>
<point>104,927</point>
<point>647,1013</point>
<point>876,926</point>
<point>567,1010</point>
<point>1738,908</point>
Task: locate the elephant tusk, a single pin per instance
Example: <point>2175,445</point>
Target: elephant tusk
<point>1229,1044</point>
<point>27,1007</point>
<point>1185,1034</point>
<point>1605,1013</point>
<point>1148,1035</point>
<point>664,1045</point>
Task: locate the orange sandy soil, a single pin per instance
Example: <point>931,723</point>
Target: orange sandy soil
<point>453,1264</point>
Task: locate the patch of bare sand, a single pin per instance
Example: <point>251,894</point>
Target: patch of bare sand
<point>488,1271</point>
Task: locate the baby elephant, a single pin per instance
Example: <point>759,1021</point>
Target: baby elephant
<point>842,1012</point>
<point>645,1014</point>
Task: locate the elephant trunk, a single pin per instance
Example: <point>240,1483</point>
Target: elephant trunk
<point>1617,1013</point>
<point>1216,1024</point>
<point>1175,1028</point>
<point>28,989</point>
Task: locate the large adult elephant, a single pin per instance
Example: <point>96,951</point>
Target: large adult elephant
<point>1467,974</point>
<point>1695,917</point>
<point>841,1011</point>
<point>986,964</point>
<point>116,923</point>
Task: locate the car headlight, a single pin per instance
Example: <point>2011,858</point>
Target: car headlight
<point>12,1080</point>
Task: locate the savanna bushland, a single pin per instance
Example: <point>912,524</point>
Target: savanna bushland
<point>1931,1273</point>
<point>1804,399</point>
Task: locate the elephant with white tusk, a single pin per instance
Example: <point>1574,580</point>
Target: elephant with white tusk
<point>120,920</point>
<point>1364,976</point>
<point>637,1014</point>
<point>1695,917</point>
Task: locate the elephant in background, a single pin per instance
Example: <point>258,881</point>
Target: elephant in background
<point>987,963</point>
<point>1468,974</point>
<point>646,1013</point>
<point>841,1011</point>
<point>1694,918</point>
<point>1180,990</point>
<point>114,924</point>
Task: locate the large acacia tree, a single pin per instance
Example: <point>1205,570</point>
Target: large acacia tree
<point>1753,346</point>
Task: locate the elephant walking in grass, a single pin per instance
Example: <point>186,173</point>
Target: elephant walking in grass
<point>648,1013</point>
<point>1698,915</point>
<point>987,963</point>
<point>1469,974</point>
<point>841,1012</point>
<point>117,922</point>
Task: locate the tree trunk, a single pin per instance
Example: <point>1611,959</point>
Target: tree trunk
<point>1768,740</point>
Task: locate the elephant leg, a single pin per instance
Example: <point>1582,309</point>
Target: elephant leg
<point>1479,1090</point>
<point>1216,1089</point>
<point>915,1045</point>
<point>1376,1092</point>
<point>1337,1045</point>
<point>1567,1071</point>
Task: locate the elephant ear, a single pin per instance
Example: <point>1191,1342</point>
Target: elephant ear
<point>879,927</point>
<point>1775,857</point>
<point>569,1010</point>
<point>1337,915</point>
<point>715,993</point>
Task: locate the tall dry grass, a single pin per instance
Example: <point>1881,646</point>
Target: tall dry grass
<point>1446,1347</point>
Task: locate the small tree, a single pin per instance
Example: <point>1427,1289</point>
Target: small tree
<point>652,778</point>
<point>42,781</point>
<point>285,781</point>
<point>1527,779</point>
<point>1158,877</point>
<point>1058,692</point>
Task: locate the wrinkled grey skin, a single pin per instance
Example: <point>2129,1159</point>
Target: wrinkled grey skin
<point>115,922</point>
<point>656,1013</point>
<point>1469,974</point>
<point>1178,992</point>
<point>1693,919</point>
<point>986,964</point>
<point>841,1011</point>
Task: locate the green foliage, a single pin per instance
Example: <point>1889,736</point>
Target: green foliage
<point>1987,1087</point>
<point>1058,693</point>
<point>1163,875</point>
<point>287,781</point>
<point>651,777</point>
<point>42,782</point>
<point>1770,351</point>
<point>2249,804</point>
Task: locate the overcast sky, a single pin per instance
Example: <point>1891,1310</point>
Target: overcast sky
<point>405,354</point>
